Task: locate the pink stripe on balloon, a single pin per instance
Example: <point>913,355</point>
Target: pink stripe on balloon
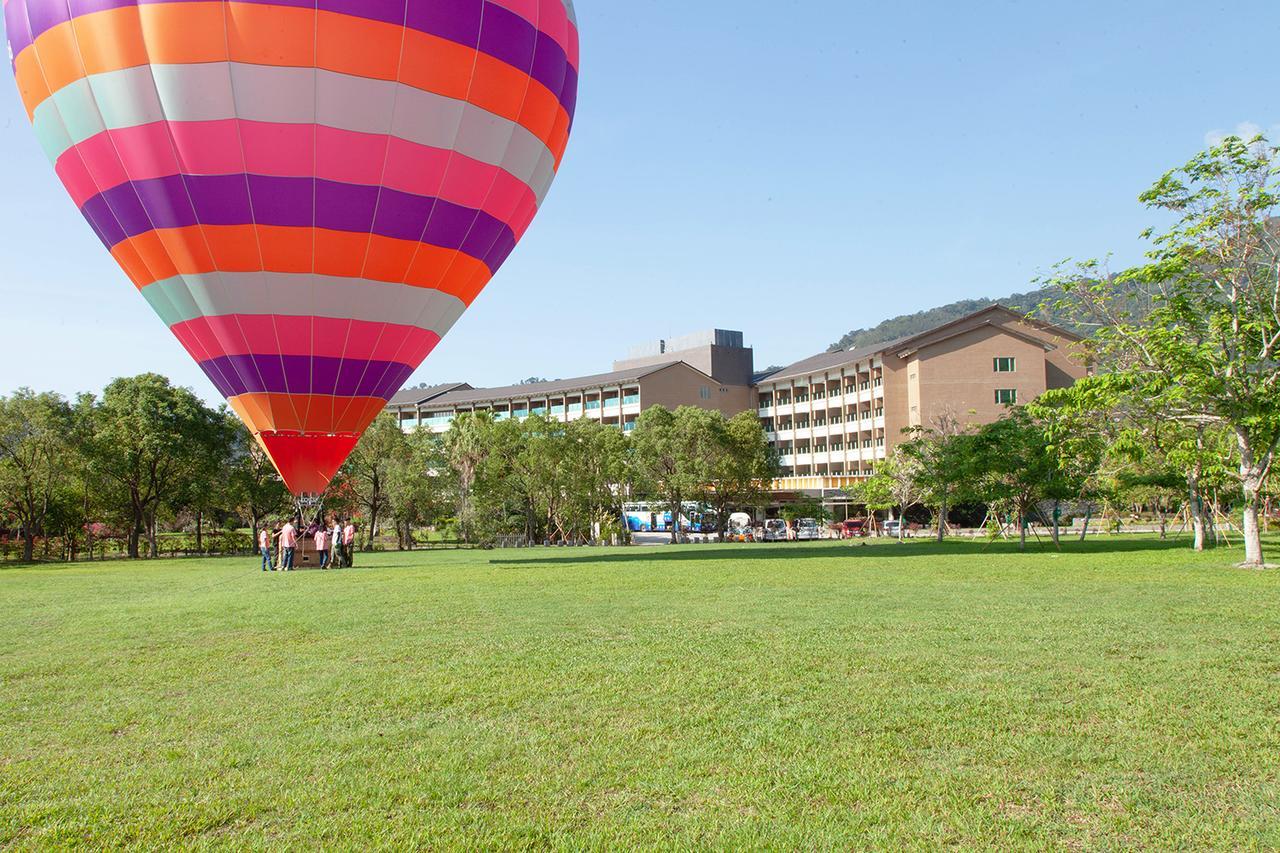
<point>266,334</point>
<point>293,150</point>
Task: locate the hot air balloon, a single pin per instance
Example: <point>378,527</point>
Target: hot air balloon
<point>308,192</point>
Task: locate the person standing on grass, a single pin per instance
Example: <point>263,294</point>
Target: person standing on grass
<point>348,543</point>
<point>321,538</point>
<point>264,545</point>
<point>335,544</point>
<point>288,541</point>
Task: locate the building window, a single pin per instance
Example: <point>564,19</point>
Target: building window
<point>1005,364</point>
<point>705,392</point>
<point>1006,396</point>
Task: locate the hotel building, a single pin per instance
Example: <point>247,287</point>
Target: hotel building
<point>711,370</point>
<point>831,416</point>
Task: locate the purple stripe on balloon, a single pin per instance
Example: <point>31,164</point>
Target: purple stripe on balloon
<point>16,29</point>
<point>179,201</point>
<point>303,374</point>
<point>503,35</point>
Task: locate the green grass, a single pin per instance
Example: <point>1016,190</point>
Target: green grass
<point>1123,693</point>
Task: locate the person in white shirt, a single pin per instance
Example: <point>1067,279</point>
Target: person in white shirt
<point>335,544</point>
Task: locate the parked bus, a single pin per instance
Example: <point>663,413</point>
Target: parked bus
<point>655,517</point>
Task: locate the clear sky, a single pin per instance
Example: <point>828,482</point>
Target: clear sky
<point>790,169</point>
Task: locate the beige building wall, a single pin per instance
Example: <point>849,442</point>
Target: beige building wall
<point>958,376</point>
<point>896,393</point>
<point>681,385</point>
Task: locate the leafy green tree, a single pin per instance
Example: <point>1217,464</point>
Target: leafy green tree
<point>673,454</point>
<point>255,490</point>
<point>742,467</point>
<point>368,470</point>
<point>417,490</point>
<point>1206,354</point>
<point>937,455</point>
<point>896,482</point>
<point>876,493</point>
<point>467,446</point>
<point>146,434</point>
<point>1014,467</point>
<point>35,459</point>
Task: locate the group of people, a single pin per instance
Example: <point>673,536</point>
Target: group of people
<point>334,540</point>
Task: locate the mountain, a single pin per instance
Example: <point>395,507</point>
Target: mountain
<point>910,324</point>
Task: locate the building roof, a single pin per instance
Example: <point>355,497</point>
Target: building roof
<point>560,386</point>
<point>829,360</point>
<point>418,396</point>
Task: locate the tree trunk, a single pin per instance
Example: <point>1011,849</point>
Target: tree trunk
<point>200,531</point>
<point>1195,508</point>
<point>1057,513</point>
<point>152,540</point>
<point>942,519</point>
<point>1088,516</point>
<point>676,505</point>
<point>28,545</point>
<point>1251,474</point>
<point>373,523</point>
<point>1022,532</point>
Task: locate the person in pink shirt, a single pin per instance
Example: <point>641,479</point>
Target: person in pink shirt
<point>264,545</point>
<point>348,543</point>
<point>322,546</point>
<point>288,541</point>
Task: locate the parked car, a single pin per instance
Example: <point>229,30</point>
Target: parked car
<point>807,529</point>
<point>775,530</point>
<point>891,527</point>
<point>852,528</point>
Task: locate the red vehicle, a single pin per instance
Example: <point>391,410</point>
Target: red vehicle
<point>852,528</point>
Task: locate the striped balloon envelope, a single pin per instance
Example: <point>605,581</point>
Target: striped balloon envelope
<point>308,192</point>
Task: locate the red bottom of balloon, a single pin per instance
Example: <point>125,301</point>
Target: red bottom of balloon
<point>307,462</point>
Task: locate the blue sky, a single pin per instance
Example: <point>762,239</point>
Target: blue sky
<point>789,169</point>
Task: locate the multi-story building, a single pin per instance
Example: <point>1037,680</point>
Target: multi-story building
<point>831,416</point>
<point>711,369</point>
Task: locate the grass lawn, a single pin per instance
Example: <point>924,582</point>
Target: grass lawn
<point>1123,693</point>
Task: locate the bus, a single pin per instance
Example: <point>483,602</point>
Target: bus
<point>655,517</point>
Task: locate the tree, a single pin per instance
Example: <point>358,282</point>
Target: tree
<point>255,489</point>
<point>35,450</point>
<point>896,481</point>
<point>145,434</point>
<point>1206,354</point>
<point>743,465</point>
<point>415,486</point>
<point>672,455</point>
<point>367,470</point>
<point>937,455</point>
<point>466,446</point>
<point>597,457</point>
<point>1014,467</point>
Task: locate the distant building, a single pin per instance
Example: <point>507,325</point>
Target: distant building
<point>831,416</point>
<point>711,370</point>
<point>834,415</point>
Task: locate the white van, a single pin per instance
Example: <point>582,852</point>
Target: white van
<point>807,530</point>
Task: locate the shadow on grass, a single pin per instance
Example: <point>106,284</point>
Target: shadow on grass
<point>847,549</point>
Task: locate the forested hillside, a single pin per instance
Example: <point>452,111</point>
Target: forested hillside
<point>910,324</point>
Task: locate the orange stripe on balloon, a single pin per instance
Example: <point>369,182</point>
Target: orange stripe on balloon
<point>200,249</point>
<point>258,34</point>
<point>310,413</point>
